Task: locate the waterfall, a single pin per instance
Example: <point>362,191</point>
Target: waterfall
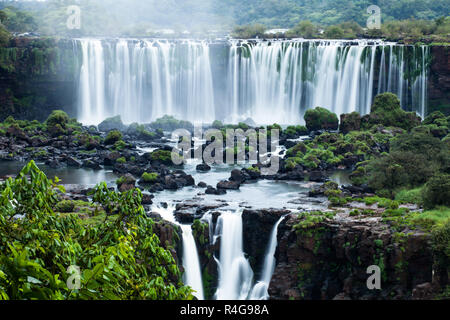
<point>260,290</point>
<point>235,273</point>
<point>193,274</point>
<point>192,271</point>
<point>268,81</point>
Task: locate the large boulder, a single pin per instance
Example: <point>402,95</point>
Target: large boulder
<point>113,123</point>
<point>350,122</point>
<point>126,183</point>
<point>321,118</point>
<point>228,185</point>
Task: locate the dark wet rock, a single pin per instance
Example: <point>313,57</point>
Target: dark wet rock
<point>92,164</point>
<point>123,168</point>
<point>189,210</point>
<point>318,176</point>
<point>171,183</point>
<point>212,190</point>
<point>203,167</point>
<point>114,123</point>
<point>54,164</point>
<point>147,199</point>
<point>257,228</point>
<point>202,184</point>
<point>350,122</point>
<point>157,187</point>
<point>16,132</point>
<point>252,174</point>
<point>126,182</point>
<point>320,191</point>
<point>72,162</point>
<point>228,185</point>
<point>329,260</point>
<point>238,176</point>
<point>296,174</point>
<point>111,158</point>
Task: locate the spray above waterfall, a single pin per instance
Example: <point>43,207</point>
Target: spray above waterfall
<point>276,81</point>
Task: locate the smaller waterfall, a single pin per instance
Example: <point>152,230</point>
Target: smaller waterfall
<point>192,275</point>
<point>191,264</point>
<point>261,289</point>
<point>235,273</point>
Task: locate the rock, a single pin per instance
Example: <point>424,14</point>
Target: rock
<point>320,191</point>
<point>203,167</point>
<point>15,131</point>
<point>54,164</point>
<point>147,199</point>
<point>250,122</point>
<point>126,183</point>
<point>317,176</point>
<point>237,176</point>
<point>212,190</point>
<point>114,123</point>
<point>72,162</point>
<point>110,158</point>
<point>228,185</point>
<point>89,163</point>
<point>350,122</point>
<point>341,296</point>
<point>202,184</point>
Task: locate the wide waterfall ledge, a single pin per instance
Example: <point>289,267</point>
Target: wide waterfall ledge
<point>232,80</point>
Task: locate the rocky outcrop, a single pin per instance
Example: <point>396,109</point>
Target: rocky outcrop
<point>257,228</point>
<point>329,260</point>
<point>439,80</point>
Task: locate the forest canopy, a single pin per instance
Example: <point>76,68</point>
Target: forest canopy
<point>116,17</point>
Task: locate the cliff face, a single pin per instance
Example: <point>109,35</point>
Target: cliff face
<point>36,77</point>
<point>439,80</point>
<point>329,260</point>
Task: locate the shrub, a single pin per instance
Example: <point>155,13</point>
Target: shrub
<point>249,31</point>
<point>65,206</point>
<point>386,110</point>
<point>321,118</point>
<point>296,131</point>
<point>217,124</point>
<point>119,255</point>
<point>410,196</point>
<point>121,160</point>
<point>437,191</point>
<point>149,177</point>
<point>113,137</point>
<point>57,122</point>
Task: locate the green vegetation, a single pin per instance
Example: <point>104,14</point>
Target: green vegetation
<point>249,31</point>
<point>311,219</point>
<point>118,258</point>
<point>113,137</point>
<point>321,118</point>
<point>121,160</point>
<point>57,123</point>
<point>437,191</point>
<point>295,131</point>
<point>386,111</point>
<point>169,123</point>
<point>149,177</point>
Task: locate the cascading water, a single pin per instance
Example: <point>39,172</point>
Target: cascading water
<point>191,264</point>
<point>261,289</point>
<point>276,81</point>
<point>144,80</point>
<point>235,273</point>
